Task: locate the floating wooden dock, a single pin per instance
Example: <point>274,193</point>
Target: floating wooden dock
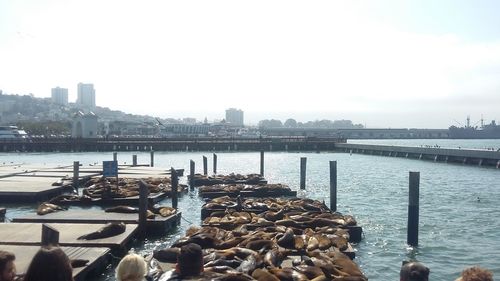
<point>17,189</point>
<point>29,234</point>
<point>127,201</point>
<point>250,193</point>
<point>158,225</point>
<point>98,259</point>
<point>448,155</point>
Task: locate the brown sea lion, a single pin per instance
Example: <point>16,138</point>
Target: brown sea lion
<point>167,255</point>
<point>264,275</point>
<point>46,208</point>
<point>310,271</point>
<point>287,240</point>
<point>274,257</point>
<point>122,209</point>
<point>288,274</point>
<point>109,230</point>
<point>167,211</point>
<point>250,263</point>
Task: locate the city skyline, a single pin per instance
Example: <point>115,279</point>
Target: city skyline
<point>386,63</point>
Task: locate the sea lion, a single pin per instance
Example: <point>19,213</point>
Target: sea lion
<point>167,211</point>
<point>288,274</point>
<point>122,209</point>
<point>46,208</point>
<point>310,271</point>
<point>109,230</point>
<point>264,275</point>
<point>287,240</point>
<point>167,255</point>
<point>75,263</point>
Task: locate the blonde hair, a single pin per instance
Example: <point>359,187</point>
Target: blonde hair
<point>131,268</point>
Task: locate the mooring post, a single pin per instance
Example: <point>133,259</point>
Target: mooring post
<point>143,207</point>
<point>134,160</point>
<point>413,209</point>
<point>152,154</point>
<point>498,164</point>
<point>115,156</point>
<point>205,165</point>
<point>50,236</point>
<point>333,186</point>
<point>215,164</point>
<point>262,163</point>
<point>175,183</point>
<point>76,174</point>
<point>303,162</point>
<point>3,211</point>
<point>191,175</point>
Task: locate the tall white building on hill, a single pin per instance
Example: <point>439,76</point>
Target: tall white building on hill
<point>60,96</point>
<point>86,95</point>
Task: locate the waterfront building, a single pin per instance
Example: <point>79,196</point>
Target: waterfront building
<point>86,95</point>
<point>60,95</point>
<point>234,116</point>
<point>84,125</point>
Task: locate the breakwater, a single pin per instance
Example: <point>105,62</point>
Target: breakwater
<point>437,154</point>
<point>170,144</point>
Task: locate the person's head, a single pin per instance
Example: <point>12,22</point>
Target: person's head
<point>7,267</point>
<point>475,274</point>
<point>190,260</point>
<point>49,264</point>
<point>414,271</point>
<point>131,268</point>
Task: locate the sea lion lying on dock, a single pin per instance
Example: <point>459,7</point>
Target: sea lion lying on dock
<point>46,208</point>
<point>122,209</point>
<point>109,230</point>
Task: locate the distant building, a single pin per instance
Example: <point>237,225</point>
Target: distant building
<point>86,95</point>
<point>234,116</point>
<point>60,96</point>
<point>84,125</point>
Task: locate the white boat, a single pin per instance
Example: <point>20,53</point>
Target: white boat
<point>12,132</point>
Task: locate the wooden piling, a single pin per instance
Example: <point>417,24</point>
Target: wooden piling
<point>333,186</point>
<point>175,184</point>
<point>413,209</point>
<point>205,165</point>
<point>191,175</point>
<point>115,156</point>
<point>143,206</point>
<point>498,164</point>
<point>303,162</point>
<point>134,160</point>
<point>215,164</point>
<point>152,154</point>
<point>262,162</point>
<point>3,211</point>
<point>50,236</point>
<point>76,174</point>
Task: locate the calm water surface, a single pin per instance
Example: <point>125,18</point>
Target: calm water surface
<point>459,217</point>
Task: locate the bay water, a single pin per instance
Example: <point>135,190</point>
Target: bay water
<point>459,214</point>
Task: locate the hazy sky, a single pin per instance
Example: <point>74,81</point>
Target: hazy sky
<point>422,63</point>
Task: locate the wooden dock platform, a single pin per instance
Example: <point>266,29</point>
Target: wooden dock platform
<point>98,259</point>
<point>249,193</point>
<point>158,225</point>
<point>17,189</point>
<point>128,201</point>
<point>29,234</point>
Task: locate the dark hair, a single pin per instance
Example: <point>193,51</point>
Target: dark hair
<point>190,260</point>
<point>476,273</point>
<point>414,271</point>
<point>49,264</point>
<point>5,257</point>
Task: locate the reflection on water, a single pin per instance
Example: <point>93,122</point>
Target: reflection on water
<point>456,230</point>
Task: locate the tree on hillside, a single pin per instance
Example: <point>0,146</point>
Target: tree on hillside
<point>290,123</point>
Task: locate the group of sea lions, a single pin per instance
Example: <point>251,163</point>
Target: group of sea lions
<point>200,180</point>
<point>164,211</point>
<point>289,239</point>
<point>103,187</point>
<point>231,188</point>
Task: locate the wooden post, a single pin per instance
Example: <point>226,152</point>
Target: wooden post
<point>262,162</point>
<point>333,186</point>
<point>205,165</point>
<point>134,160</point>
<point>303,162</point>
<point>143,207</point>
<point>191,175</point>
<point>215,164</point>
<point>175,183</point>
<point>3,211</point>
<point>50,236</point>
<point>76,174</point>
<point>152,153</point>
<point>413,209</point>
